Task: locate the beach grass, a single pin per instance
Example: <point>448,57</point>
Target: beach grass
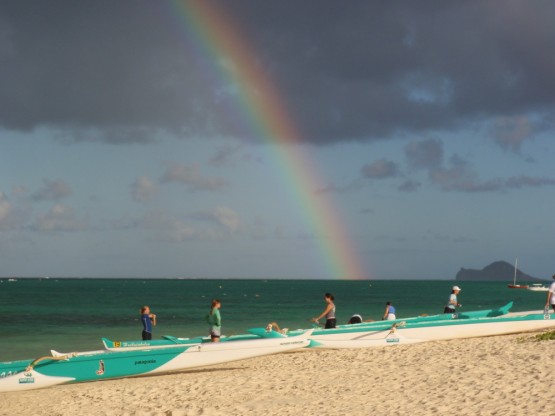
<point>546,336</point>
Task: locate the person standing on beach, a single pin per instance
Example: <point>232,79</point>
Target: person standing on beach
<point>452,303</point>
<point>148,320</point>
<point>389,313</point>
<point>551,296</point>
<point>215,321</point>
<point>329,312</point>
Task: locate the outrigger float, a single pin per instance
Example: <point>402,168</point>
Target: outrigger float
<point>62,368</point>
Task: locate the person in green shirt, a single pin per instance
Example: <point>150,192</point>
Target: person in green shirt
<point>215,321</point>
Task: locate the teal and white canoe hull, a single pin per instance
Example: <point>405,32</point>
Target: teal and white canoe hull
<point>393,332</point>
<point>101,365</point>
<point>416,332</point>
<point>481,327</point>
<point>31,379</point>
<point>383,327</point>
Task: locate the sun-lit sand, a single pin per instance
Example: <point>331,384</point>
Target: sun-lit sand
<point>505,375</point>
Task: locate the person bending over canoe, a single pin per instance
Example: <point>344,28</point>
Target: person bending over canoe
<point>215,321</point>
<point>329,312</point>
<point>148,320</point>
<point>452,303</point>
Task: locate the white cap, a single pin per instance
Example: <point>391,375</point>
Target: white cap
<point>456,288</point>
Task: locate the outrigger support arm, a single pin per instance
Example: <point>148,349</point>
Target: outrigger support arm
<point>49,357</point>
<point>393,329</point>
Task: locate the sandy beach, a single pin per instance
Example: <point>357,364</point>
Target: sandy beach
<point>504,375</point>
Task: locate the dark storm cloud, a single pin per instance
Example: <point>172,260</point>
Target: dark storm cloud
<point>107,71</point>
<point>124,71</point>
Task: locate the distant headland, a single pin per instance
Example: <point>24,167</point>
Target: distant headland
<point>496,271</point>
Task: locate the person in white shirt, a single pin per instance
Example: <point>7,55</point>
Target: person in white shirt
<point>452,303</point>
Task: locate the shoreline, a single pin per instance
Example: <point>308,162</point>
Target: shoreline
<point>508,375</point>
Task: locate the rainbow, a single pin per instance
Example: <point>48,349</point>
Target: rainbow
<point>263,110</point>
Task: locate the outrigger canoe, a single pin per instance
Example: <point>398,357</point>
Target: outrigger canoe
<point>482,313</point>
<point>409,332</point>
<point>384,327</point>
<point>100,365</point>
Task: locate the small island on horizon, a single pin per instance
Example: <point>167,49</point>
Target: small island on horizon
<point>496,271</point>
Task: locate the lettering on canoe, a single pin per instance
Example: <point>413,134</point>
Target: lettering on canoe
<point>145,362</point>
<point>28,379</point>
<point>4,374</point>
<point>291,343</point>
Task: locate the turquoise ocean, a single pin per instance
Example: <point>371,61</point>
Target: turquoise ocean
<point>73,314</point>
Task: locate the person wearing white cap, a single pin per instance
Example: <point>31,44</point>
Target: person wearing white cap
<point>551,296</point>
<point>452,303</point>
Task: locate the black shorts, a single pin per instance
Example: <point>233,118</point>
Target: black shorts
<point>330,323</point>
<point>147,336</point>
<point>448,310</point>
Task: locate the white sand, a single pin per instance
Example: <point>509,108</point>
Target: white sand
<point>483,376</point>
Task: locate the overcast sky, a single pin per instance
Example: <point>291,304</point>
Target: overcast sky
<point>123,152</point>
